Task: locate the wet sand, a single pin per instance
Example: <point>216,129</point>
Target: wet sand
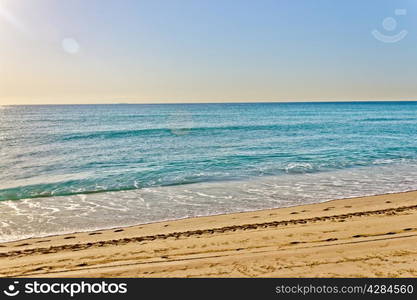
<point>359,237</point>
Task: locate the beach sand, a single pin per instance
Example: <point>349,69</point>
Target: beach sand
<point>360,237</point>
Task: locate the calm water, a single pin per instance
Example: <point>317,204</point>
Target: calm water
<point>74,168</point>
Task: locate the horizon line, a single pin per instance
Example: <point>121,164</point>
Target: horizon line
<point>208,102</point>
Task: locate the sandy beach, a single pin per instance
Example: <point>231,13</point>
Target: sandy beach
<point>360,237</point>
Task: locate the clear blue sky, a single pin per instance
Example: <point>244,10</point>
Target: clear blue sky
<point>101,51</point>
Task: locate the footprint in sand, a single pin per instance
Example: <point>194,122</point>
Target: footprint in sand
<point>408,229</point>
<point>94,233</point>
<point>22,245</point>
<point>82,265</point>
<point>44,241</point>
<point>328,208</point>
<point>118,230</point>
<point>294,213</point>
<point>69,237</point>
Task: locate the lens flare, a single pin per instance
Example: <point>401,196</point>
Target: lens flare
<point>70,45</point>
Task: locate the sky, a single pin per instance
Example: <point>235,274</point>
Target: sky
<point>152,51</point>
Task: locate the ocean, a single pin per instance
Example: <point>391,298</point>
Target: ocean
<point>71,168</point>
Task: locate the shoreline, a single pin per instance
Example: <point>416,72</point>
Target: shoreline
<point>187,218</point>
<point>225,245</point>
<point>57,215</point>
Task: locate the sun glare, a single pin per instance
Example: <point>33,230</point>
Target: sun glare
<point>8,17</point>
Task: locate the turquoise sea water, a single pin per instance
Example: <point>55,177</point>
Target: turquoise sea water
<point>81,167</point>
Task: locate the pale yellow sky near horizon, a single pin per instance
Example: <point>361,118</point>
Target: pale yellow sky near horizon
<point>189,51</point>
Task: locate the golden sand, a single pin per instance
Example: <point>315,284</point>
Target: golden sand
<point>360,237</point>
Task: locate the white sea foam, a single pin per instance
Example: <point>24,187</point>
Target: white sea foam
<point>65,214</point>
